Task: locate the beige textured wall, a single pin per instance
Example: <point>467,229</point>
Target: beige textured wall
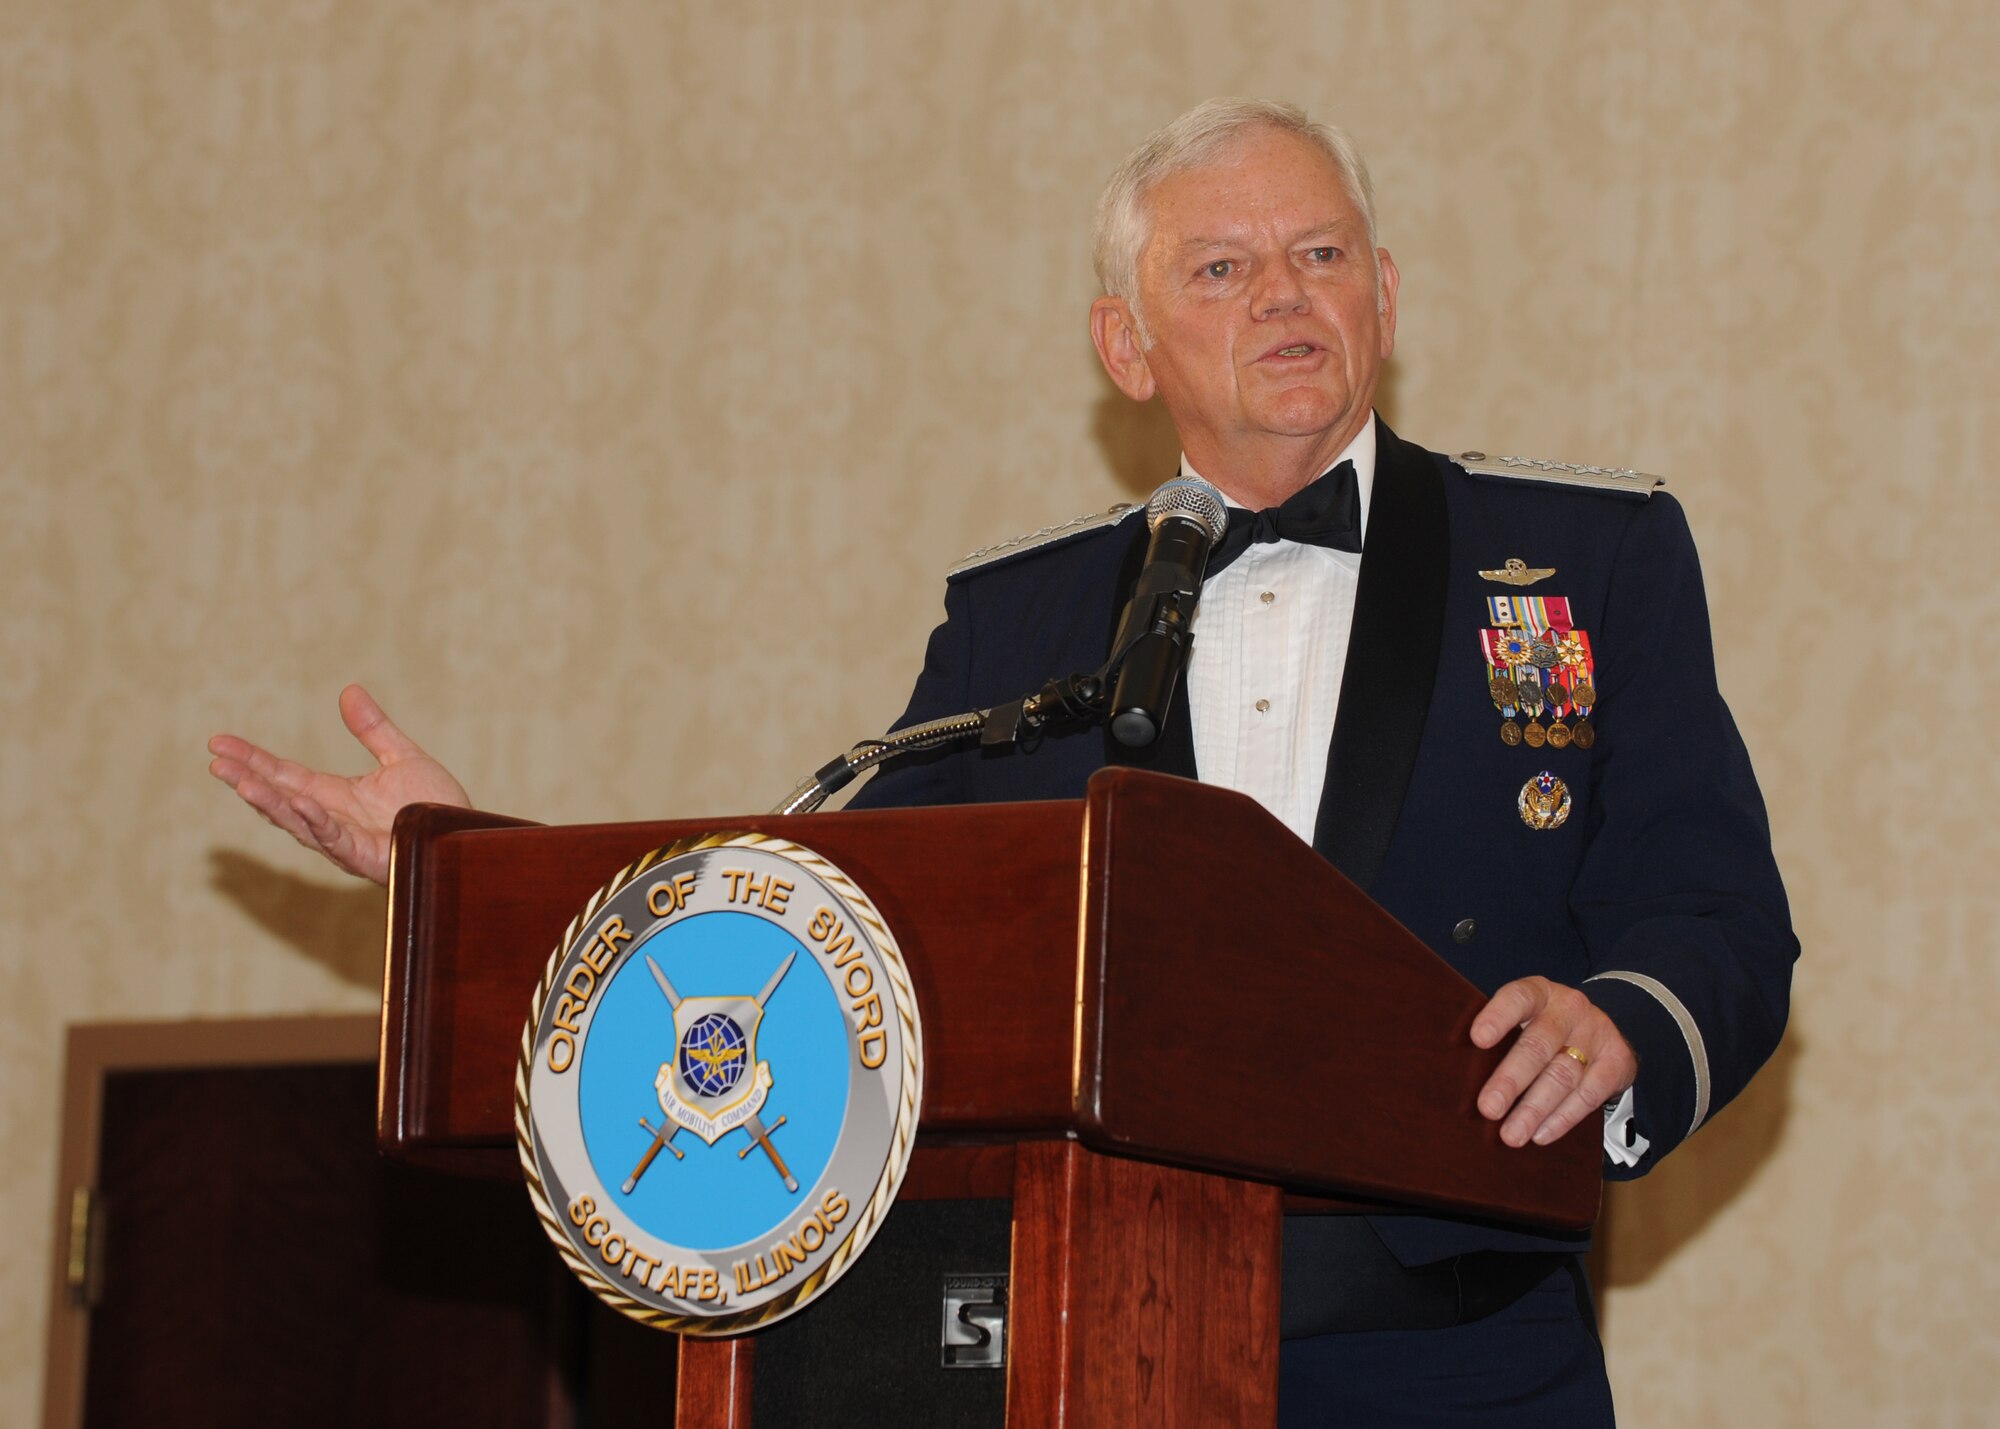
<point>608,384</point>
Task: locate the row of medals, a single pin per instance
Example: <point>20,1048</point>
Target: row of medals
<point>1531,699</point>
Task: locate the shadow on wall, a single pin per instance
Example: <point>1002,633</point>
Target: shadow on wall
<point>1646,1222</point>
<point>1139,444</point>
<point>339,927</point>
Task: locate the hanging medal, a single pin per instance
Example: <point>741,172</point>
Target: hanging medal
<point>1534,734</point>
<point>1559,708</point>
<point>1579,673</point>
<point>1501,685</point>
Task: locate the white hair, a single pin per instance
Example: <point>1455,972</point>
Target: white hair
<point>1124,223</point>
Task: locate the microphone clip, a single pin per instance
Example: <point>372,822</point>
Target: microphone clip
<point>1073,699</point>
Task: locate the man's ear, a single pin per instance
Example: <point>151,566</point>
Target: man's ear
<point>1391,282</point>
<point>1115,331</point>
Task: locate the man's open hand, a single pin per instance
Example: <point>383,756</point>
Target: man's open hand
<point>1540,1088</point>
<point>346,818</point>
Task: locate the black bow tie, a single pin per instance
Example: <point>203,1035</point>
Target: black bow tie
<point>1326,513</point>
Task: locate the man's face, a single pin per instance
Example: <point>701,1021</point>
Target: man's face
<point>1260,295</point>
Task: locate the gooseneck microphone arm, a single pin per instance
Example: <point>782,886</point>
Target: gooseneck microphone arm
<point>1134,689</point>
<point>837,773</point>
<point>1078,699</point>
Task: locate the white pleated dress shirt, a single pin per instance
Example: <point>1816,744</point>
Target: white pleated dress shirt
<point>1270,643</point>
<point>1263,682</point>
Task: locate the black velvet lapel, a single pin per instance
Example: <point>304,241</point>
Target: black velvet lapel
<point>1392,660</point>
<point>1173,751</point>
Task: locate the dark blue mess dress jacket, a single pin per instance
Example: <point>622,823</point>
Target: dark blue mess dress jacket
<point>1658,892</point>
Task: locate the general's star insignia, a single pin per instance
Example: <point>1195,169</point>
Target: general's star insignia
<point>1518,572</point>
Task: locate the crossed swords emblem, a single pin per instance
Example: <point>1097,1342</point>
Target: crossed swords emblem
<point>663,1134</point>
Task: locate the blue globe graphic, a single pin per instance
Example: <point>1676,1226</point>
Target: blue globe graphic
<point>713,1055</point>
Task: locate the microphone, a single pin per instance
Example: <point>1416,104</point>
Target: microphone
<point>1187,517</point>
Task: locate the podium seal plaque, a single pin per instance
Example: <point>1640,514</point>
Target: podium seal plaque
<point>717,1090</point>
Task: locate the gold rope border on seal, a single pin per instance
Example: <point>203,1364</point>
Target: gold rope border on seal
<point>900,1146</point>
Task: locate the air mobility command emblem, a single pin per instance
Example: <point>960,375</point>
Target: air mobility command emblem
<point>718,1084</point>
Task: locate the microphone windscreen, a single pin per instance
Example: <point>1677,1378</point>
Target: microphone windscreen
<point>1191,499</point>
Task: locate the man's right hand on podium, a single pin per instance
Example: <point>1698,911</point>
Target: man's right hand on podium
<point>347,818</point>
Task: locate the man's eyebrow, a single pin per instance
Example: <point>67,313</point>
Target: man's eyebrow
<point>1331,228</point>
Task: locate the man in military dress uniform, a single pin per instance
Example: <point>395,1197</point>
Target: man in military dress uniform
<point>1482,689</point>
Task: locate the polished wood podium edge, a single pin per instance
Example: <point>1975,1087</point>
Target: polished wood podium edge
<point>477,905</point>
<point>412,903</point>
<point>1385,1112</point>
<point>1004,882</point>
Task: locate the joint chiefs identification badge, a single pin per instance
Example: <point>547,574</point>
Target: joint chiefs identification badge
<point>717,1090</point>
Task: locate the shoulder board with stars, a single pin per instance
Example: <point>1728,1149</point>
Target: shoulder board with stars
<point>1602,478</point>
<point>1042,539</point>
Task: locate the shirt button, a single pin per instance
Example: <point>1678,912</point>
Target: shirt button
<point>1464,930</point>
<point>1268,596</point>
<point>1263,707</point>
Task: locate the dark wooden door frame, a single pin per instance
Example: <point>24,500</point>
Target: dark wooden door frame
<point>94,1051</point>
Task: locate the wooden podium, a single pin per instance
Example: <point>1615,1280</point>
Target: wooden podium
<point>1148,1015</point>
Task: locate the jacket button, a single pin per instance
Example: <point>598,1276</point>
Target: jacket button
<point>1464,930</point>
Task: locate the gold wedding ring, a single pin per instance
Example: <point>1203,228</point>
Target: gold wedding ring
<point>1577,1052</point>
